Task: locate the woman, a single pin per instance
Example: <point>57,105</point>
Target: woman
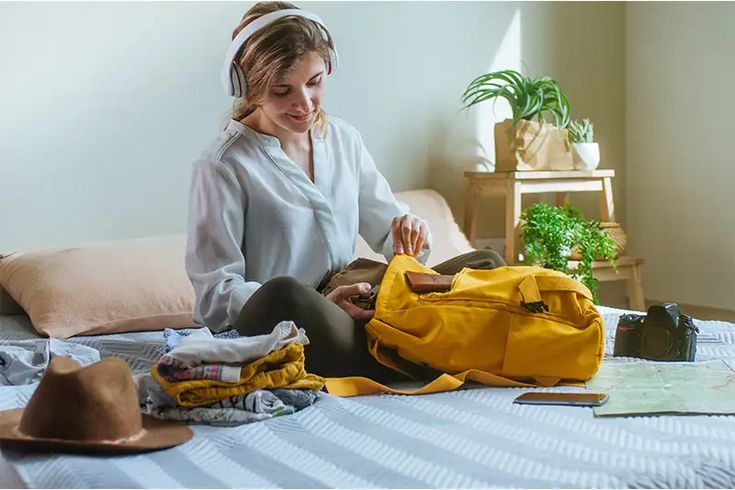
<point>279,198</point>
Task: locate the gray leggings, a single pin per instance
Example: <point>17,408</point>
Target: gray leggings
<point>337,343</point>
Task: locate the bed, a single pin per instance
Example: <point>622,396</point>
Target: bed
<point>474,437</point>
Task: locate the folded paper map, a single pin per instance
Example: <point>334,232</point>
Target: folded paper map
<point>647,388</point>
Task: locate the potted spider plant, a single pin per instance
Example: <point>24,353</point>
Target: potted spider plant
<point>586,153</point>
<point>552,233</point>
<point>520,142</point>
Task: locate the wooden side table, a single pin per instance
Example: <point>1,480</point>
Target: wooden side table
<point>515,184</point>
<point>628,268</point>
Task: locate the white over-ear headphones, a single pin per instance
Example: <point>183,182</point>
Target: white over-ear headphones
<point>233,78</point>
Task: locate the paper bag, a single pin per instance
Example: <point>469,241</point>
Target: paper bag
<point>531,146</point>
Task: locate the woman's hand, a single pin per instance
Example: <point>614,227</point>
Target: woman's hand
<point>409,235</point>
<point>341,296</point>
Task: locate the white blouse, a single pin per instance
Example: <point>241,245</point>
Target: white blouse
<point>254,215</point>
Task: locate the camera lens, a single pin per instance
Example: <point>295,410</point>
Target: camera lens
<point>656,342</point>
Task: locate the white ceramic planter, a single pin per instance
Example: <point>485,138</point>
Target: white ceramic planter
<point>586,155</point>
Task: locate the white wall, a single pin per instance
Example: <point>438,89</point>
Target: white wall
<point>105,105</point>
<point>680,155</point>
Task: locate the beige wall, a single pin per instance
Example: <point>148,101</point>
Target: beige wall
<point>680,134</point>
<point>582,45</point>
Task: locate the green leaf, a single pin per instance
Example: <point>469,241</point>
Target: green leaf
<point>528,98</point>
<point>549,233</point>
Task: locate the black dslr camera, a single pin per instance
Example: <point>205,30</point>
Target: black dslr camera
<point>663,334</point>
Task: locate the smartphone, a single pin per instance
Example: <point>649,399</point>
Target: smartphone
<point>572,399</point>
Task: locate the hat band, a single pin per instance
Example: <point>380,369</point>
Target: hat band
<point>122,440</point>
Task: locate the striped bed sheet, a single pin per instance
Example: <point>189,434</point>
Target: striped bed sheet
<point>475,437</point>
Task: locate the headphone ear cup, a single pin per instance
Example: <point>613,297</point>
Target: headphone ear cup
<point>238,81</point>
<point>333,61</point>
<point>333,58</point>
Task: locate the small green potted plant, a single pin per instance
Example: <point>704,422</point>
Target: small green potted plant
<point>550,233</point>
<point>586,152</point>
<point>520,142</point>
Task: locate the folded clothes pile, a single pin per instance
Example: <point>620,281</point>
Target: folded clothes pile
<point>230,381</point>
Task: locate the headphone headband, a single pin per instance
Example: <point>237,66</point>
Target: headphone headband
<point>233,78</point>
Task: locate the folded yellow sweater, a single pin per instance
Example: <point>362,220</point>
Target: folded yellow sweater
<point>280,369</point>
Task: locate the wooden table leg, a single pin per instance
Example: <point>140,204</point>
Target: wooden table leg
<point>636,300</point>
<point>562,198</point>
<point>512,221</point>
<point>470,215</point>
<point>607,207</point>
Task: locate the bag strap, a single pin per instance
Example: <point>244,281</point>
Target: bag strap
<point>357,385</point>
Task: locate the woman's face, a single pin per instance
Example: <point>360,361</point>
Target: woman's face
<point>293,102</point>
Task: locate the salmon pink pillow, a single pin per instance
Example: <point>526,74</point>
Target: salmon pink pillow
<point>100,288</point>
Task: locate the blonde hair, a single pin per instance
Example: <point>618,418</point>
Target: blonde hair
<point>271,53</point>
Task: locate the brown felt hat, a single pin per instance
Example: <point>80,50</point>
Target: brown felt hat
<point>90,409</point>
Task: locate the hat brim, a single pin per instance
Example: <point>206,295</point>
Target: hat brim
<point>159,434</point>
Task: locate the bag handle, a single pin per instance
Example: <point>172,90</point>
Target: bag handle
<point>530,290</point>
<point>563,283</point>
<point>531,286</point>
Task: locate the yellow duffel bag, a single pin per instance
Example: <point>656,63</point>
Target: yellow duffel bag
<point>510,326</point>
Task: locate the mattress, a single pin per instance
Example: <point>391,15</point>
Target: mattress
<point>473,437</point>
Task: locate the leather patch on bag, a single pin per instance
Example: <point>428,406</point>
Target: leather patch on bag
<point>422,282</point>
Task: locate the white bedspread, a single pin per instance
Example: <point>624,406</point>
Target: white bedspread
<point>470,438</point>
